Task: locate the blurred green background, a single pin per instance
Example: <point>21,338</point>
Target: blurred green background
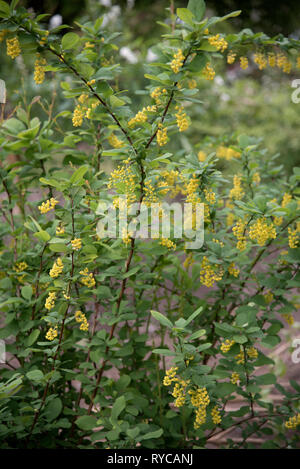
<point>252,101</point>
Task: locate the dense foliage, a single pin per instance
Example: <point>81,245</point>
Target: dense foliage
<point>130,342</point>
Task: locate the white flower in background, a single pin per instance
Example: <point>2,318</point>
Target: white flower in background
<point>105,3</point>
<point>55,21</point>
<point>127,53</point>
<point>112,15</point>
<point>151,56</point>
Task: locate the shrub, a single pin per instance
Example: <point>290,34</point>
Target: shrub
<point>126,342</point>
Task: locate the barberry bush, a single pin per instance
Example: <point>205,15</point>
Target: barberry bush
<point>129,342</point>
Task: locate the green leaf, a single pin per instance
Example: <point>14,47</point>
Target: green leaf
<point>162,319</point>
<point>78,174</point>
<point>164,351</point>
<point>69,40</point>
<point>4,9</point>
<point>53,409</point>
<point>197,334</point>
<point>133,432</point>
<point>185,15</point>
<point>155,434</point>
<point>194,315</point>
<point>42,236</point>
<point>32,337</point>
<point>86,422</point>
<point>26,292</point>
<point>58,247</point>
<point>35,375</point>
<point>117,408</point>
<point>197,7</point>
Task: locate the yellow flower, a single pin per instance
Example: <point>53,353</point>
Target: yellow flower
<point>52,333</point>
<point>252,352</point>
<point>115,141</point>
<point>57,268</point>
<point>286,200</point>
<point>39,70</point>
<point>218,42</point>
<point>59,230</point>
<point>201,155</point>
<point>170,376</point>
<point>50,301</point>
<point>293,238</point>
<point>244,63</point>
<point>293,422</point>
<point>208,72</point>
<point>260,60</point>
<point>233,270</point>
<point>48,205</point>
<point>236,192</point>
<point>239,232</point>
<point>76,244</point>
<point>168,243</point>
<point>216,416</point>
<point>261,232</point>
<point>78,115</point>
<point>209,273</point>
<point>269,297</point>
<point>161,136</point>
<point>235,377</point>
<point>182,121</point>
<point>210,196</point>
<point>87,278</point>
<point>81,318</point>
<point>13,47</point>
<point>177,61</point>
<point>231,57</point>
<point>20,266</point>
<point>226,345</point>
<point>289,318</point>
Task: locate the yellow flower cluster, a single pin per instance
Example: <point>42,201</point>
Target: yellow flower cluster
<point>156,94</point>
<point>231,57</point>
<point>182,121</point>
<point>124,179</point>
<point>260,60</point>
<point>179,392</point>
<point>48,205</point>
<point>289,318</point>
<point>78,115</point>
<point>218,42</point>
<point>161,136</point>
<point>126,236</point>
<point>217,241</point>
<point>50,301</point>
<point>87,278</point>
<point>293,238</point>
<point>57,268</point>
<point>170,376</point>
<point>235,377</point>
<point>208,72</point>
<point>261,232</point>
<point>227,153</point>
<point>210,196</point>
<point>216,416</point>
<point>284,63</point>
<point>81,318</point>
<point>168,243</point>
<point>226,345</point>
<point>20,266</point>
<point>141,116</point>
<point>233,270</point>
<point>237,191</point>
<point>13,48</point>
<point>252,352</point>
<point>293,422</point>
<point>244,63</point>
<point>59,230</point>
<point>114,141</point>
<point>150,195</point>
<point>201,155</point>
<point>239,232</point>
<point>76,244</point>
<point>52,333</point>
<point>177,61</point>
<point>39,70</point>
<point>192,84</point>
<point>209,273</point>
<point>286,199</point>
<point>169,182</point>
<point>200,400</point>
